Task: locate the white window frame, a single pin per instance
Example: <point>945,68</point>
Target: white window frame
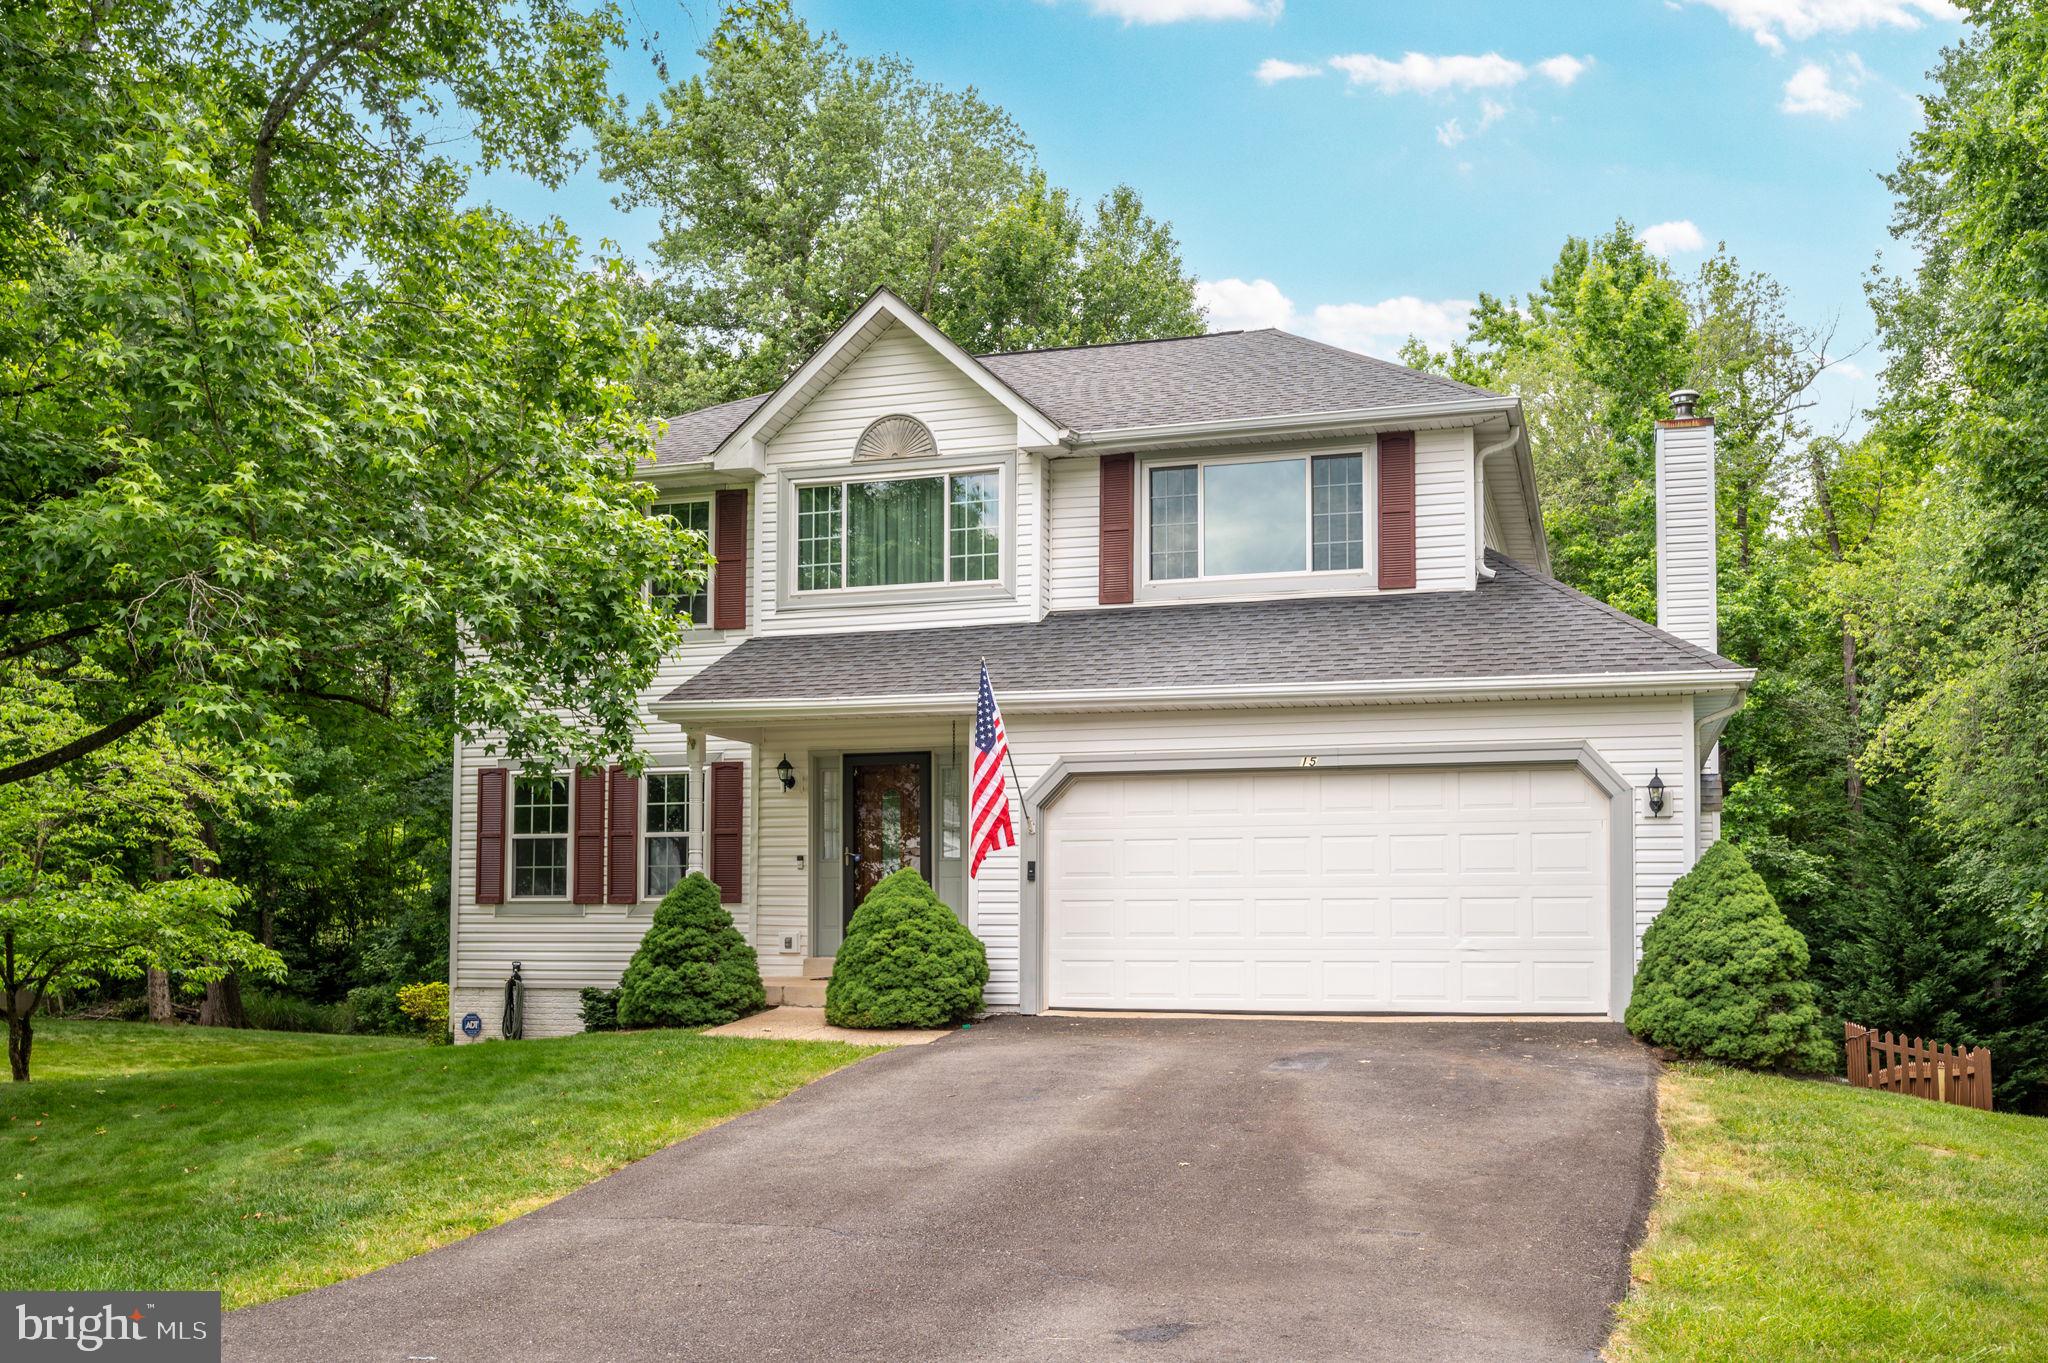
<point>1305,579</point>
<point>513,838</point>
<point>647,836</point>
<point>705,501</point>
<point>1005,521</point>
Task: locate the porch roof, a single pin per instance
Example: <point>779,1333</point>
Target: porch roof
<point>1521,627</point>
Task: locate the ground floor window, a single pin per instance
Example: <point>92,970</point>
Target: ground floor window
<point>540,837</point>
<point>667,838</point>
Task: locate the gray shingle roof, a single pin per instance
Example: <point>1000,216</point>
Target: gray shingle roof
<point>1232,375</point>
<point>1520,624</point>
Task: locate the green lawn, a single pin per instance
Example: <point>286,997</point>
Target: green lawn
<point>87,1050</point>
<point>1818,1222</point>
<point>268,1179</point>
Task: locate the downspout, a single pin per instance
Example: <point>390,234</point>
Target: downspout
<point>1479,459</point>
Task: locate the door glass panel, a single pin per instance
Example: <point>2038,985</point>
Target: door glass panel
<point>1254,517</point>
<point>887,833</point>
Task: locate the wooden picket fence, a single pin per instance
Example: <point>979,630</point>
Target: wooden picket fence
<point>1879,1060</point>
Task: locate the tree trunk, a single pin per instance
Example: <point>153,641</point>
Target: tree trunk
<point>223,1005</point>
<point>158,991</point>
<point>20,1037</point>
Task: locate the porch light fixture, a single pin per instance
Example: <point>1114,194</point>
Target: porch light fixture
<point>786,772</point>
<point>1656,792</point>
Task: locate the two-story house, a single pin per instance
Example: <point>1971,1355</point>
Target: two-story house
<point>1301,721</point>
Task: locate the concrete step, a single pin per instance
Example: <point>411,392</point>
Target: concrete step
<point>817,967</point>
<point>789,992</point>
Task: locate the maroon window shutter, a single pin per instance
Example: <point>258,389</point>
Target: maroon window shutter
<point>728,804</point>
<point>586,860</point>
<point>1113,573</point>
<point>623,870</point>
<point>1397,509</point>
<point>729,543</point>
<point>490,835</point>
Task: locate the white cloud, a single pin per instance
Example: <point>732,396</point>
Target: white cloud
<point>1563,68</point>
<point>1376,328</point>
<point>1272,71</point>
<point>1243,305</point>
<point>1421,74</point>
<point>1666,238</point>
<point>1179,11</point>
<point>1454,132</point>
<point>1771,22</point>
<point>1812,90</point>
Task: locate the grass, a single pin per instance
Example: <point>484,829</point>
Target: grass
<point>64,1049</point>
<point>1820,1222</point>
<point>271,1178</point>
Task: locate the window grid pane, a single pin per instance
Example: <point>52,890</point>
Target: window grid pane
<point>976,549</point>
<point>817,537</point>
<point>696,605</point>
<point>540,868</point>
<point>666,858</point>
<point>1338,512</point>
<point>540,804</point>
<point>1173,517</point>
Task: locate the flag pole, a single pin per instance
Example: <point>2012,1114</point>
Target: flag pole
<point>1011,753</point>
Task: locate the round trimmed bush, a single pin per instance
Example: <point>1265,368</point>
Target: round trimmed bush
<point>1724,975</point>
<point>693,969</point>
<point>906,961</point>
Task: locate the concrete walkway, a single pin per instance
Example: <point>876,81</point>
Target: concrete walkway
<point>808,1024</point>
<point>1078,1189</point>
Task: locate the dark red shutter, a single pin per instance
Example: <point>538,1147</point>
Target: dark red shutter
<point>1397,509</point>
<point>728,806</point>
<point>729,543</point>
<point>1113,572</point>
<point>586,814</point>
<point>624,869</point>
<point>490,835</point>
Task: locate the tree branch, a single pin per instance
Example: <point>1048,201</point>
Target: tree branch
<point>83,746</point>
<point>62,636</point>
<point>288,99</point>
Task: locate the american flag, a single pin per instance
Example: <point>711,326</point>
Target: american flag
<point>989,804</point>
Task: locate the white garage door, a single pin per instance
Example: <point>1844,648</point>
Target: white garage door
<point>1332,890</point>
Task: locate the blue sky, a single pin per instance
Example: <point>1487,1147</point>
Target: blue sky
<point>1357,172</point>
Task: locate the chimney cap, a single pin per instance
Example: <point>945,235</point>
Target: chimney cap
<point>1683,401</point>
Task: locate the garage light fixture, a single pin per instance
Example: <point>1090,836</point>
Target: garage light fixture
<point>1656,792</point>
<point>786,772</point>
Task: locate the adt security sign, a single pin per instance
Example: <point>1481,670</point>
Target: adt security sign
<point>472,1026</point>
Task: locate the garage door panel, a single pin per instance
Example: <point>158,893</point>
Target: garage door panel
<point>1474,890</point>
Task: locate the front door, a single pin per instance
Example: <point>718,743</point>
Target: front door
<point>888,820</point>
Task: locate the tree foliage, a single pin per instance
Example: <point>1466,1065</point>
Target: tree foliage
<point>794,178</point>
<point>907,961</point>
<point>692,969</point>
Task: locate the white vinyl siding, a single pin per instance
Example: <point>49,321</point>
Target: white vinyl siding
<point>1446,541</point>
<point>1073,532</point>
<point>1686,601</point>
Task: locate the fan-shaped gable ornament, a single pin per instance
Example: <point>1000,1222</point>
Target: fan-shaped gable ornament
<point>895,437</point>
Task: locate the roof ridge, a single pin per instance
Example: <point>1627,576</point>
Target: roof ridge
<point>1102,345</point>
<point>1574,593</point>
<point>1384,364</point>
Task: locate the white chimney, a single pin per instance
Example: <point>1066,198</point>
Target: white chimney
<point>1686,604</point>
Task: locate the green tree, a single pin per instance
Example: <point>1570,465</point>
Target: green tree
<point>103,869</point>
<point>794,178</point>
<point>692,969</point>
<point>907,961</point>
<point>288,428</point>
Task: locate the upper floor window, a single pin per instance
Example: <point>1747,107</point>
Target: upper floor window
<point>1255,517</point>
<point>540,837</point>
<point>691,515</point>
<point>899,532</point>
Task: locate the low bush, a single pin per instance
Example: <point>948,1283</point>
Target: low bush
<point>1724,976</point>
<point>283,1013</point>
<point>599,1009</point>
<point>426,1004</point>
<point>376,1011</point>
<point>693,969</point>
<point>906,961</point>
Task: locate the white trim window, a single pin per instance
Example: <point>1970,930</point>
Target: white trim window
<point>692,514</point>
<point>540,837</point>
<point>665,839</point>
<point>1270,516</point>
<point>932,529</point>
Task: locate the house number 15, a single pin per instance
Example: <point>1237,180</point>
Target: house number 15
<point>1309,761</point>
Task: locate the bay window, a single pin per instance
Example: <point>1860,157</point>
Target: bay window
<point>1255,517</point>
<point>899,532</point>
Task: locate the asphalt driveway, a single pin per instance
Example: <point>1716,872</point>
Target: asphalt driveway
<point>1060,1188</point>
